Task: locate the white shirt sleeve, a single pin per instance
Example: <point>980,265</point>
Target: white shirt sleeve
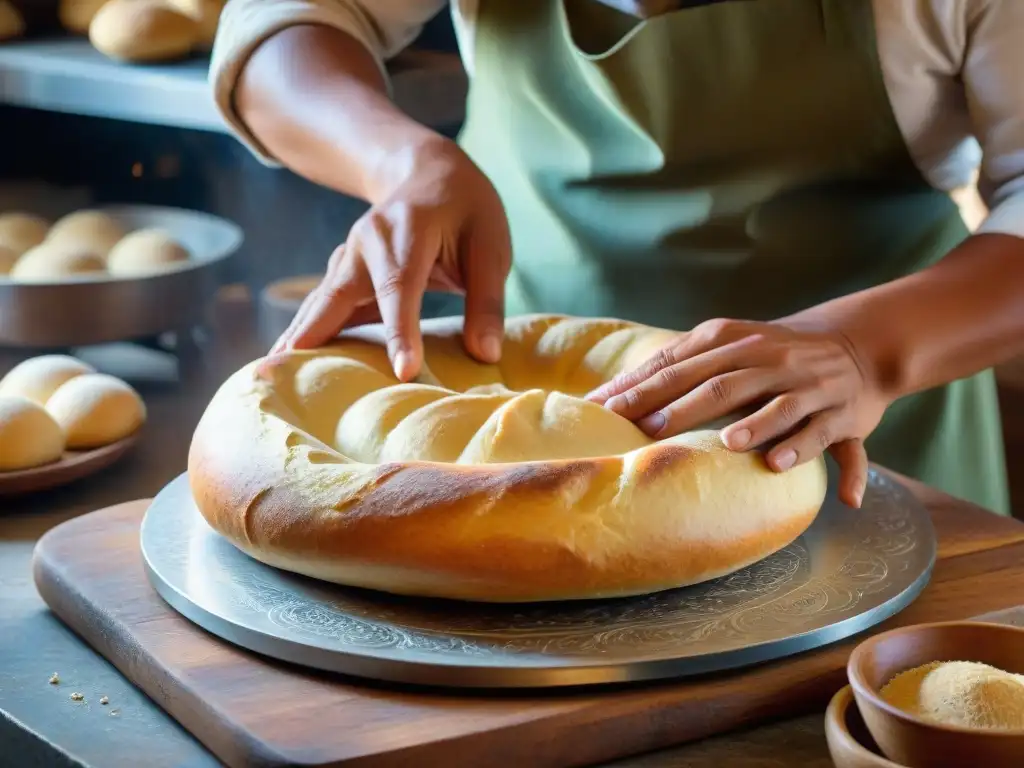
<point>385,27</point>
<point>993,81</point>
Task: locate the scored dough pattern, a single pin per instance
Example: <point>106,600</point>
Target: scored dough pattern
<point>528,408</point>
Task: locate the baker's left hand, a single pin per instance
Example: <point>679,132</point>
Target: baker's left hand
<point>812,390</point>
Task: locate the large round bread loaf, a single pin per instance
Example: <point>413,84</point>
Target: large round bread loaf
<point>491,483</point>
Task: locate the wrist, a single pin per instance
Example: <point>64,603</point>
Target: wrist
<point>406,157</point>
<point>877,355</point>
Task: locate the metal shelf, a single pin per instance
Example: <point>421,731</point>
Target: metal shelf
<point>68,75</point>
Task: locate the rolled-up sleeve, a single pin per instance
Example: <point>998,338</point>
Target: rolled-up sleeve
<point>993,77</point>
<point>385,27</point>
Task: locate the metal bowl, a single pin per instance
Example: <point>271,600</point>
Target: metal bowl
<point>95,309</point>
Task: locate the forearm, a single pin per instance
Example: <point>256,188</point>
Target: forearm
<point>961,316</point>
<point>316,99</point>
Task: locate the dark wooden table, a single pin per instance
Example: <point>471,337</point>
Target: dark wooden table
<point>37,725</point>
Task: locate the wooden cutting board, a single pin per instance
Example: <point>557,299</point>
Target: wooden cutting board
<point>252,711</point>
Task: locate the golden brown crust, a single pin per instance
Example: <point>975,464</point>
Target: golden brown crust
<point>666,514</point>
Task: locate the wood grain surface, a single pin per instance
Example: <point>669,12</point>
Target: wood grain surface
<point>253,711</point>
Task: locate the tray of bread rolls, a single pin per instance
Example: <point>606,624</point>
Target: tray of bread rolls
<point>113,273</point>
<point>62,420</point>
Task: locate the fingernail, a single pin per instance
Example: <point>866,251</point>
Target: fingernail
<point>858,494</point>
<point>490,345</point>
<point>616,404</point>
<point>653,424</point>
<point>785,459</point>
<point>402,366</point>
<point>738,439</point>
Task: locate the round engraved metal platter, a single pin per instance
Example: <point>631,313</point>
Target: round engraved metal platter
<point>851,570</point>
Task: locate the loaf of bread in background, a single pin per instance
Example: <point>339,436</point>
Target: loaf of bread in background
<point>12,24</point>
<point>144,31</point>
<point>22,231</point>
<point>76,15</point>
<point>206,14</point>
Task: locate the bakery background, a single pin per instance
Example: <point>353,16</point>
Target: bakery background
<point>95,122</point>
<point>85,129</point>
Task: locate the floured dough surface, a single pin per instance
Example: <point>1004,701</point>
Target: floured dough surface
<point>485,482</point>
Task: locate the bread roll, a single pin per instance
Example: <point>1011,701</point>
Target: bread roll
<point>39,377</point>
<point>143,31</point>
<point>77,15</point>
<point>491,483</point>
<point>206,14</point>
<point>93,231</point>
<point>21,231</point>
<point>8,256</point>
<point>95,410</point>
<point>12,24</point>
<point>56,261</point>
<point>145,251</point>
<point>29,437</point>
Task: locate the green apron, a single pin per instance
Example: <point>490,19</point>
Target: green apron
<point>738,159</point>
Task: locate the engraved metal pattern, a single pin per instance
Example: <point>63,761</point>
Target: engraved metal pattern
<point>849,571</point>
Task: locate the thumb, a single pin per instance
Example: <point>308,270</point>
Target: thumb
<point>485,259</point>
<point>853,465</point>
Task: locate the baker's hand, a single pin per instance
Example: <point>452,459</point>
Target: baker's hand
<point>440,226</point>
<point>813,391</point>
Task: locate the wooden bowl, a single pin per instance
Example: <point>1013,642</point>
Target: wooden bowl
<point>849,742</point>
<point>918,743</point>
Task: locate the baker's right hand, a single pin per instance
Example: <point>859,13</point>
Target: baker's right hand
<point>437,225</point>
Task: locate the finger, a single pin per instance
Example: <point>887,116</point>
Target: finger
<point>672,382</point>
<point>779,417</point>
<point>702,339</point>
<point>399,261</point>
<point>852,459</point>
<point>716,397</point>
<point>808,443</point>
<point>485,259</point>
<point>624,382</point>
<point>368,314</point>
<point>324,311</point>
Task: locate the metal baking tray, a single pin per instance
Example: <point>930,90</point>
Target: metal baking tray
<point>851,570</point>
<point>99,308</point>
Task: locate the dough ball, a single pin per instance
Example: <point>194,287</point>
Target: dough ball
<point>12,24</point>
<point>21,231</point>
<point>8,256</point>
<point>39,377</point>
<point>77,15</point>
<point>206,14</point>
<point>95,410</point>
<point>145,251</point>
<point>54,261</point>
<point>29,436</point>
<point>143,31</point>
<point>94,231</point>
